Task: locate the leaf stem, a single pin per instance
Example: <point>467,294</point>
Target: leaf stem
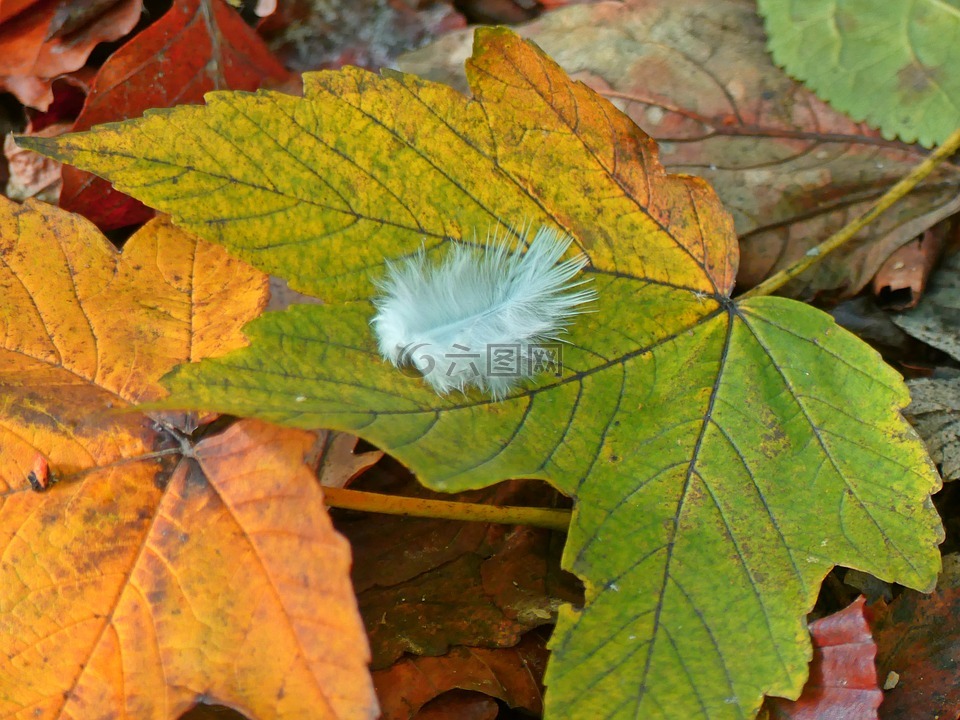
<point>842,236</point>
<point>549,518</point>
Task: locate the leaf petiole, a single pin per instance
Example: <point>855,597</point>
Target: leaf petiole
<point>842,236</point>
<point>550,518</point>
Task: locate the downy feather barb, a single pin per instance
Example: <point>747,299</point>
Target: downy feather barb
<point>475,318</point>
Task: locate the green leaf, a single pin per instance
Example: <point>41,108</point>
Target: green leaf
<point>890,63</point>
<point>723,455</point>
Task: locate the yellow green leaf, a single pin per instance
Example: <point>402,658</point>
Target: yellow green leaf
<point>723,455</point>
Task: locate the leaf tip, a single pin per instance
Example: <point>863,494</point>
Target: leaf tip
<point>51,147</point>
<point>484,37</point>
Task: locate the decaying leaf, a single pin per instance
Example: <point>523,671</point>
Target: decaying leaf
<point>917,638</point>
<point>337,463</point>
<point>426,585</point>
<point>332,33</point>
<point>936,318</point>
<point>934,411</point>
<point>902,279</point>
<point>159,569</point>
<point>754,438</point>
<point>32,174</point>
<point>513,675</point>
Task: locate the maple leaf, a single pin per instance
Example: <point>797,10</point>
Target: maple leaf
<point>723,455</point>
<point>158,569</point>
<point>791,169</point>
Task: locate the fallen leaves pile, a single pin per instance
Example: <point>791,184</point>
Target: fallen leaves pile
<point>721,454</point>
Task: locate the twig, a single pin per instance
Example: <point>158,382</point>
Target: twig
<point>549,518</point>
<point>841,237</point>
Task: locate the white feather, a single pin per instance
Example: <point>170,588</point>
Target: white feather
<point>475,299</point>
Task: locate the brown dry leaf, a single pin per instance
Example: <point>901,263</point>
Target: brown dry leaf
<point>9,8</point>
<point>313,34</point>
<point>459,705</point>
<point>513,675</point>
<point>337,462</point>
<point>159,570</point>
<point>902,279</point>
<point>427,585</point>
<point>936,318</point>
<point>53,37</point>
<point>32,174</point>
<point>695,74</point>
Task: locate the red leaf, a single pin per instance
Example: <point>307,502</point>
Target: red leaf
<point>198,46</point>
<point>10,8</point>
<point>53,37</point>
<point>843,678</point>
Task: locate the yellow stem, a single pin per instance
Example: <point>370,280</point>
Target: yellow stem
<point>841,237</point>
<point>471,512</point>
